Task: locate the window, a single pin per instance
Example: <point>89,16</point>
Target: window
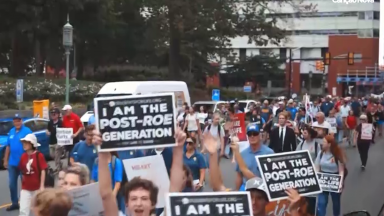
<point>283,53</point>
<point>31,125</point>
<point>313,14</point>
<point>365,33</point>
<point>243,54</point>
<point>265,51</point>
<point>376,15</point>
<point>41,125</point>
<point>376,33</point>
<point>324,32</point>
<point>323,51</point>
<point>369,15</point>
<point>251,104</point>
<point>358,58</point>
<point>361,15</point>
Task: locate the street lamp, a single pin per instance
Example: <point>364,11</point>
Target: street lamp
<point>310,81</point>
<point>67,43</point>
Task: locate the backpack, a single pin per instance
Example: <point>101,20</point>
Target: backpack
<point>49,173</point>
<point>316,147</point>
<point>218,129</point>
<point>113,164</point>
<point>337,163</point>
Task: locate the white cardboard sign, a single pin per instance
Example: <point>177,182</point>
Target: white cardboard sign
<point>64,136</point>
<point>151,168</point>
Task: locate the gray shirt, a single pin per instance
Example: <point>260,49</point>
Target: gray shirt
<point>327,162</point>
<point>312,146</point>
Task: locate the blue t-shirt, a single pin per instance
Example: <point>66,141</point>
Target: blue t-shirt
<point>85,154</point>
<point>265,112</point>
<point>129,154</point>
<point>326,107</point>
<point>327,162</point>
<point>116,174</point>
<point>195,163</point>
<point>15,145</point>
<point>91,120</point>
<point>293,111</point>
<point>250,160</point>
<point>355,105</point>
<point>167,154</point>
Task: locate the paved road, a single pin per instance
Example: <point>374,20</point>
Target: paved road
<point>363,190</point>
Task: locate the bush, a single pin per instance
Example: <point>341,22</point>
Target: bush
<point>37,90</point>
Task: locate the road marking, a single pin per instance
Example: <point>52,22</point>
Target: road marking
<point>5,205</point>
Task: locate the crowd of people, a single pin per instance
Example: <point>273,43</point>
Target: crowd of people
<point>203,138</point>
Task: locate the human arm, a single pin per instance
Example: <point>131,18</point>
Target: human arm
<point>202,166</point>
<point>240,162</point>
<point>317,162</point>
<point>43,166</point>
<point>47,130</point>
<point>185,122</point>
<point>216,181</point>
<point>222,144</point>
<point>177,173</point>
<point>105,181</point>
<point>80,125</point>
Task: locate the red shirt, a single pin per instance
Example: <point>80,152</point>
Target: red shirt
<point>30,171</point>
<point>351,121</point>
<point>72,121</point>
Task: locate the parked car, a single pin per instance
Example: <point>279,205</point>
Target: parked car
<point>38,127</point>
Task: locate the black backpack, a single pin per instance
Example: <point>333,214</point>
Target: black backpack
<point>218,129</point>
<point>337,163</point>
<point>49,173</point>
<point>124,179</point>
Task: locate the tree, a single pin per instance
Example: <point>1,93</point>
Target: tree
<point>205,28</point>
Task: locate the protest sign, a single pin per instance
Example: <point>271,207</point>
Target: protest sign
<point>136,122</point>
<point>239,127</point>
<point>64,136</point>
<point>209,204</point>
<point>288,170</point>
<point>366,131</point>
<point>86,201</point>
<point>151,168</point>
<point>330,182</point>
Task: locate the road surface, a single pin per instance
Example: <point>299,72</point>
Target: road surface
<point>363,190</point>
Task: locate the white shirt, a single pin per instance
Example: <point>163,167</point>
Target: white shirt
<point>213,131</point>
<point>325,124</point>
<point>284,130</point>
<point>202,117</point>
<point>192,125</point>
<point>344,110</point>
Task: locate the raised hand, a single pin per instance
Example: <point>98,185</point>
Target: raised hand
<point>210,143</point>
<point>180,137</point>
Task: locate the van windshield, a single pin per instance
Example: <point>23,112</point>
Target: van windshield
<point>111,95</point>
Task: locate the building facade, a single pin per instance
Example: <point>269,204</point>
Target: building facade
<point>333,26</point>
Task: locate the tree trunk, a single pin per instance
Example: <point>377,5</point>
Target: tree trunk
<point>38,69</point>
<point>174,48</point>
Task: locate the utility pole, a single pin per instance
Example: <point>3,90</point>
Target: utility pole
<point>290,73</point>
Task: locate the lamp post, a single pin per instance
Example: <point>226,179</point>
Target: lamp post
<point>310,81</point>
<point>67,43</point>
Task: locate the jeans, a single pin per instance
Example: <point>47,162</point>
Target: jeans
<point>323,202</point>
<point>13,175</point>
<point>363,151</point>
<point>25,202</point>
<point>120,203</point>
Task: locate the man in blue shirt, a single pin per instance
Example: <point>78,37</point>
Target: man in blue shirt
<point>255,148</point>
<point>12,156</point>
<point>84,151</point>
<point>292,109</point>
<point>327,106</point>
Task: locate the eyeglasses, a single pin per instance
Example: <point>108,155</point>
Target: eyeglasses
<point>250,134</point>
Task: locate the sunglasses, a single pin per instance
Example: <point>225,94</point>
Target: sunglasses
<point>253,134</point>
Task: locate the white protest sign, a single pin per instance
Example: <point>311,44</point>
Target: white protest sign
<point>330,182</point>
<point>136,121</point>
<point>366,131</point>
<point>333,122</point>
<point>86,201</point>
<point>151,168</point>
<point>64,136</point>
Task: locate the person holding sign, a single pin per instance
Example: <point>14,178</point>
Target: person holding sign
<point>363,135</point>
<point>195,161</point>
<point>330,160</point>
<point>71,120</point>
<point>255,185</point>
<point>255,148</point>
<point>140,194</point>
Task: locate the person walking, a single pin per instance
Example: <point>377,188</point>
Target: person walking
<point>56,151</point>
<point>71,120</point>
<point>12,156</point>
<point>363,141</point>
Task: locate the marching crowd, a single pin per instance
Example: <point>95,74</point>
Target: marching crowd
<point>203,138</point>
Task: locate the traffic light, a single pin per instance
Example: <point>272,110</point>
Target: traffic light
<point>351,58</point>
<point>327,58</point>
<point>319,65</point>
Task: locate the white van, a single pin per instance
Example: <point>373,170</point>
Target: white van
<point>179,88</point>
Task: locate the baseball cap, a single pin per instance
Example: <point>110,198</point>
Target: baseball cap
<point>67,107</point>
<point>256,183</point>
<point>17,116</point>
<point>290,101</point>
<point>32,139</point>
<point>364,117</point>
<point>265,101</point>
<point>253,128</point>
<point>54,110</point>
